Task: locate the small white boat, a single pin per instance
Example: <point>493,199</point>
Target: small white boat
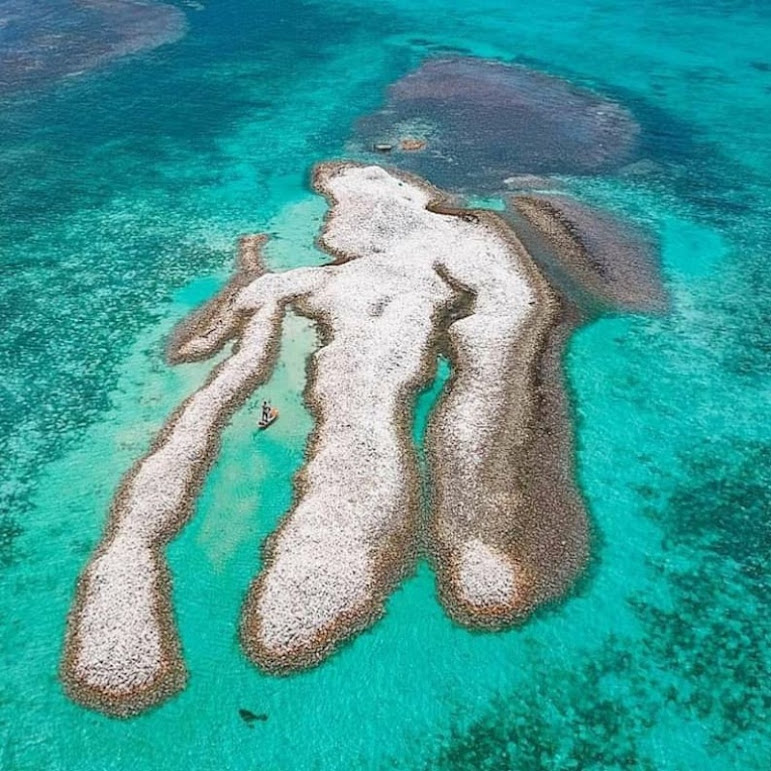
<point>272,417</point>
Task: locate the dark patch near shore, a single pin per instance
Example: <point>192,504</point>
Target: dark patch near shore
<point>485,121</point>
<point>10,530</point>
<point>596,260</point>
<point>45,41</point>
<point>250,718</point>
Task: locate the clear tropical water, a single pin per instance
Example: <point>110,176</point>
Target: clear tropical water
<point>122,193</point>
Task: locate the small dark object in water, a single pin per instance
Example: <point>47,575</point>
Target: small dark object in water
<point>383,147</point>
<point>250,718</point>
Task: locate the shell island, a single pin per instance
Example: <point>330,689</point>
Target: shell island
<point>269,500</point>
<point>411,277</point>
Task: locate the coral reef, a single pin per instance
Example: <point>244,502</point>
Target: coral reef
<point>593,258</point>
<point>44,42</point>
<point>484,121</point>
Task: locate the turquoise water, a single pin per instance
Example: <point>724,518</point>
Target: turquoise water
<point>122,194</point>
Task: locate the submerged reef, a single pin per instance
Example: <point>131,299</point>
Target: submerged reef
<point>477,127</point>
<point>471,124</point>
<point>597,261</point>
<point>412,278</point>
<point>44,41</point>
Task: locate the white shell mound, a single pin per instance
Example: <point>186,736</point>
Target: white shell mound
<point>386,307</point>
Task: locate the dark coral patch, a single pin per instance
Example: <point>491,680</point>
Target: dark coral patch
<point>485,121</point>
<point>10,530</point>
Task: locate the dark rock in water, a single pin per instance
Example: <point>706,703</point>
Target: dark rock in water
<point>412,144</point>
<point>250,717</point>
<point>483,122</point>
<point>46,40</point>
<point>596,261</point>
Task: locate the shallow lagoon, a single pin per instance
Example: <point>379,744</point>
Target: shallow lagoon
<point>122,194</point>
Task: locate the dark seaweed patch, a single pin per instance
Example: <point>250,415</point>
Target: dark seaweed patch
<point>10,530</point>
<point>43,42</point>
<point>485,121</point>
<point>746,300</point>
<point>568,721</point>
<point>594,259</point>
<point>717,632</point>
<point>726,507</point>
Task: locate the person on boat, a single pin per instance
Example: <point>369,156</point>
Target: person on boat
<point>265,412</point>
